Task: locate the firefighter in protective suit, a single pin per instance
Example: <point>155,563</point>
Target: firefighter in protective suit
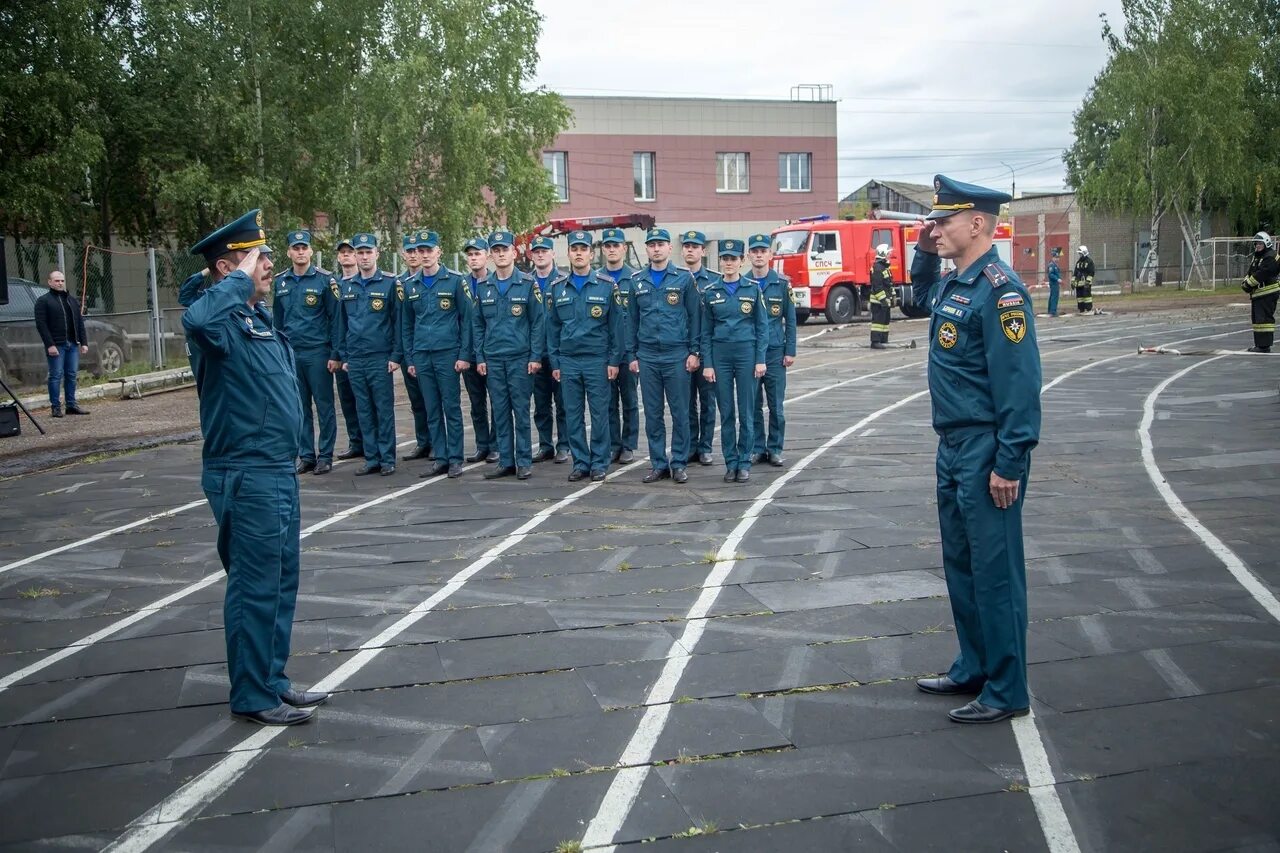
<point>1262,283</point>
<point>1082,280</point>
<point>881,298</point>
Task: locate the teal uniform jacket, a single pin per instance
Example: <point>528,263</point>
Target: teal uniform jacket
<point>588,323</point>
<point>984,363</point>
<point>436,315</point>
<point>370,318</point>
<point>664,314</point>
<point>510,325</point>
<point>308,307</point>
<point>733,319</point>
<point>780,314</point>
<point>623,278</point>
<point>250,412</point>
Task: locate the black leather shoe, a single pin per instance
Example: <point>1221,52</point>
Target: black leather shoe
<point>435,470</point>
<point>545,455</point>
<point>944,686</point>
<point>369,469</point>
<point>562,456</point>
<point>304,698</point>
<point>744,474</point>
<point>616,455</point>
<point>776,460</point>
<point>655,475</point>
<point>387,470</point>
<point>626,457</point>
<point>492,457</point>
<point>597,476</point>
<point>350,453</point>
<point>705,459</point>
<point>679,475</point>
<point>76,410</point>
<point>455,471</point>
<point>577,474</point>
<point>878,345</point>
<point>504,471</point>
<point>976,712</point>
<point>524,472</point>
<point>280,715</point>
<point>1251,349</point>
<point>324,466</point>
<point>730,476</point>
<point>419,452</point>
<point>55,411</point>
<point>759,458</point>
<point>301,467</point>
<point>478,456</point>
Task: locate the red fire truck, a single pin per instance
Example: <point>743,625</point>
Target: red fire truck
<point>829,261</point>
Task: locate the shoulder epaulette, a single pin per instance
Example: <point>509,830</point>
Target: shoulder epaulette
<point>995,275</point>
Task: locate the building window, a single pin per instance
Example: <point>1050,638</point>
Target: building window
<point>733,173</point>
<point>642,175</point>
<point>795,172</point>
<point>557,166</point>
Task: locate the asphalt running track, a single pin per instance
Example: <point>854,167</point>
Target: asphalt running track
<point>712,666</point>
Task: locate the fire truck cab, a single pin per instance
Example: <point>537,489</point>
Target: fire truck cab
<point>829,262</point>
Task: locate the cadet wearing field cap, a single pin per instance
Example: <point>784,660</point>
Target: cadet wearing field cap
<point>412,245</point>
<point>984,381</point>
<point>553,435</point>
<point>509,342</point>
<point>371,353</point>
<point>477,255</point>
<point>250,417</point>
<point>346,254</point>
<point>735,339</point>
<point>780,315</point>
<point>588,341</point>
<point>702,394</point>
<point>624,395</point>
<point>306,307</point>
<point>435,322</point>
<point>664,320</point>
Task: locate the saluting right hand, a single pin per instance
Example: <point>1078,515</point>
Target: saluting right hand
<point>926,241</point>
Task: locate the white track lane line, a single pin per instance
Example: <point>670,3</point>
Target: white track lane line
<point>176,809</point>
<point>624,790</point>
<point>1246,578</point>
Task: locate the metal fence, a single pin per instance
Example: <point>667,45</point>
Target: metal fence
<point>1118,265</point>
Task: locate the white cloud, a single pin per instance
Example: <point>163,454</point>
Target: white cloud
<point>954,87</point>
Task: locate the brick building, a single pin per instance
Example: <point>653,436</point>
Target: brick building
<point>726,167</point>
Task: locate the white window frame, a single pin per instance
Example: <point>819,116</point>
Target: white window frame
<point>803,172</point>
<point>557,165</point>
<point>643,168</point>
<point>742,164</point>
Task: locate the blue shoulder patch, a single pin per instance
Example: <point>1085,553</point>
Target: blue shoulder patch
<point>995,275</point>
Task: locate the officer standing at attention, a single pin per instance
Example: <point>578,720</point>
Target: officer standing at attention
<point>250,417</point>
<point>1262,283</point>
<point>371,353</point>
<point>509,342</point>
<point>346,397</point>
<point>665,329</point>
<point>307,309</point>
<point>780,317</point>
<point>735,340</point>
<point>1082,279</point>
<point>702,394</point>
<point>435,325</point>
<point>624,399</point>
<point>881,298</point>
<point>411,244</point>
<point>587,339</point>
<point>1055,279</point>
<point>477,254</point>
<point>546,391</point>
<point>984,379</point>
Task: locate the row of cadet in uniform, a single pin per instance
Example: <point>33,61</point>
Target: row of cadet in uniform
<point>575,342</point>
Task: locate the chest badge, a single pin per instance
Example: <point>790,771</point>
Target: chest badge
<point>948,335</point>
<point>597,311</point>
<point>445,303</point>
<point>775,310</point>
<point>747,307</point>
<point>1014,324</point>
<point>517,310</point>
<point>377,304</point>
<point>673,297</point>
<point>312,300</point>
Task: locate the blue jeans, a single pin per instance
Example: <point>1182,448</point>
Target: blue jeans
<point>62,372</point>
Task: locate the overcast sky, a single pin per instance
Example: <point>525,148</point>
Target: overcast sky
<point>956,87</point>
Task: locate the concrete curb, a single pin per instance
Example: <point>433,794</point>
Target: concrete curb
<point>124,388</point>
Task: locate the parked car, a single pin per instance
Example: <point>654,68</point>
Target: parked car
<point>22,353</point>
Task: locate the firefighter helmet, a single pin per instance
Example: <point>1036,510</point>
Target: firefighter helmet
<point>1265,239</point>
<point>1084,251</point>
<point>882,251</point>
